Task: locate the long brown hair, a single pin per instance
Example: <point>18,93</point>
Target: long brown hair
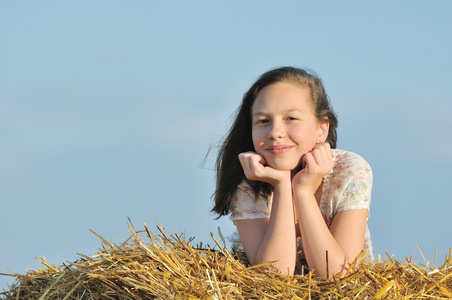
<point>239,138</point>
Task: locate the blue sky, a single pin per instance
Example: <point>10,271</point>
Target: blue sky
<point>108,108</point>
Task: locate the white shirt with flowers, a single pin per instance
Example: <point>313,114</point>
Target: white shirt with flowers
<point>348,186</point>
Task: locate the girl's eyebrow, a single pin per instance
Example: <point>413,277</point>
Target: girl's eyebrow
<point>261,113</point>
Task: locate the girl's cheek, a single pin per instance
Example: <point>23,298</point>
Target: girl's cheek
<point>261,153</point>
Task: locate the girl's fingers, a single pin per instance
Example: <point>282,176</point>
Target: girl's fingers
<point>257,160</point>
<point>320,159</point>
<point>250,159</point>
<point>254,167</point>
<point>252,164</point>
<point>319,156</point>
<point>309,160</point>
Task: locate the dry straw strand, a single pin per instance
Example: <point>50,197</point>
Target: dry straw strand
<point>163,266</point>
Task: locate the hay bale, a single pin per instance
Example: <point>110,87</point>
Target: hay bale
<point>149,266</point>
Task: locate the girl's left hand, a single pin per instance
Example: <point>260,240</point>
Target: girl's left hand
<point>255,168</point>
<point>316,164</point>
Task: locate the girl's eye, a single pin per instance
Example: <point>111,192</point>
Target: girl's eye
<point>292,118</point>
<point>262,121</point>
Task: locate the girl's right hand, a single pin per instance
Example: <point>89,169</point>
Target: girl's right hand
<point>316,164</point>
<point>254,167</point>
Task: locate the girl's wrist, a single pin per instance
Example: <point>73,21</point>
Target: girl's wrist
<point>302,192</point>
<point>305,187</point>
<point>283,182</point>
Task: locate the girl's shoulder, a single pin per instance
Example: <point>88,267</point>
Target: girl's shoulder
<point>245,205</point>
<point>344,156</point>
<point>348,161</point>
<point>247,188</point>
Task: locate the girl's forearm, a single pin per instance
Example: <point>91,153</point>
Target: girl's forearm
<point>279,242</point>
<point>317,239</point>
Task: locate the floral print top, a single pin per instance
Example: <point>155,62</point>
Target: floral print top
<point>348,186</point>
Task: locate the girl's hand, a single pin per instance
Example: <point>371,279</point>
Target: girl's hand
<point>254,168</point>
<point>316,164</point>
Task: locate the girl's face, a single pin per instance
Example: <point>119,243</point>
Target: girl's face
<point>284,127</point>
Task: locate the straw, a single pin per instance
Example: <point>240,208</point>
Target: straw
<point>162,266</point>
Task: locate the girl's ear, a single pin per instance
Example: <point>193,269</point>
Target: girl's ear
<point>324,127</point>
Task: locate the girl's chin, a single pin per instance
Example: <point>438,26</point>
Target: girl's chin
<point>283,167</point>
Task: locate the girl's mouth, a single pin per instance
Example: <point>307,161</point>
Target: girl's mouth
<point>281,149</point>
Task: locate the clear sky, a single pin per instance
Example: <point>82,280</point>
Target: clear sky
<point>108,108</point>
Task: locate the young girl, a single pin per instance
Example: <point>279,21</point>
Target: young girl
<point>292,195</point>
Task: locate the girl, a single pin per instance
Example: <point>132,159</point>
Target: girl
<point>292,195</point>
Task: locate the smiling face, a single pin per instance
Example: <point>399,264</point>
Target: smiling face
<point>284,126</point>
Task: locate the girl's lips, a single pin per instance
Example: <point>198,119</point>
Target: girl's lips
<point>278,149</point>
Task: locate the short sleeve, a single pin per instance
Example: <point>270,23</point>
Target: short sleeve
<point>244,204</point>
<point>350,184</point>
<point>357,193</point>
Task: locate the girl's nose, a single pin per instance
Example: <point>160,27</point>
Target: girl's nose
<point>277,130</point>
